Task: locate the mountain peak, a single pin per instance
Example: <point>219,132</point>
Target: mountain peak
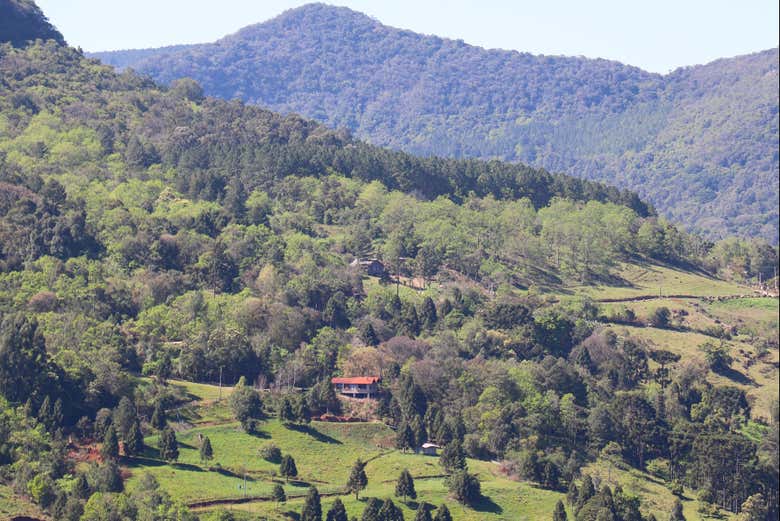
<point>22,21</point>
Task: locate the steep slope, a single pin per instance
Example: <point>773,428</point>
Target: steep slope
<point>671,138</point>
<point>22,21</point>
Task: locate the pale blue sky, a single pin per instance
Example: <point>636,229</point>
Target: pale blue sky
<point>657,35</point>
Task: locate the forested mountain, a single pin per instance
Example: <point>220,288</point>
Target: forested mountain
<point>700,143</point>
<point>151,233</point>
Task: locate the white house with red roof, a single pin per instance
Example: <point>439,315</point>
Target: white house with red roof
<point>357,386</point>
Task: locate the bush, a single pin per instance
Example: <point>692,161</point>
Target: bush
<point>272,453</point>
<point>465,487</point>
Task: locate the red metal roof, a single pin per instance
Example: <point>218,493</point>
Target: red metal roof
<point>358,380</point>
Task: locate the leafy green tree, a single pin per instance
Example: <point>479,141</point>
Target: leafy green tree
<point>335,313</point>
<point>423,512</point>
<point>206,451</point>
<point>125,417</point>
<point>246,406</point>
<point>287,468</point>
<point>404,487</point>
<point>278,494</point>
<point>453,458</point>
<point>559,514</point>
<point>302,412</point>
<point>169,446</point>
<point>661,317</point>
<point>404,439</point>
<point>465,487</point>
<point>442,514</point>
<point>80,488</point>
<point>312,508</point>
<point>428,314</point>
<point>24,365</point>
<point>368,334</point>
<point>358,480</point>
<point>286,413</point>
<point>134,442</point>
<point>371,512</point>
<point>158,419</point>
<point>337,512</point>
<point>677,511</point>
<point>390,512</point>
<point>109,450</point>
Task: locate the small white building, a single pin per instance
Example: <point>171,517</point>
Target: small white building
<point>429,449</point>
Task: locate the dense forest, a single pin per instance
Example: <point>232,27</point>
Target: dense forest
<point>699,143</point>
<point>153,231</point>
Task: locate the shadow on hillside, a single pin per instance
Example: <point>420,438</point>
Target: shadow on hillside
<point>485,504</point>
<point>314,433</point>
<point>260,434</point>
<point>232,474</point>
<point>291,514</point>
<point>186,466</point>
<point>736,376</point>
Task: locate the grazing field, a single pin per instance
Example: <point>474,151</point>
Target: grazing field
<point>656,498</point>
<point>239,479</point>
<point>644,279</point>
<point>758,376</point>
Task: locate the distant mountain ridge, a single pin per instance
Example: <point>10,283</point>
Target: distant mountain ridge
<point>700,142</point>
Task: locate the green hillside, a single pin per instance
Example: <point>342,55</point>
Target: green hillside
<point>178,286</point>
<point>700,143</point>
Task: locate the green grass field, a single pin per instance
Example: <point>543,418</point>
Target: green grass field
<point>324,454</point>
<point>655,280</point>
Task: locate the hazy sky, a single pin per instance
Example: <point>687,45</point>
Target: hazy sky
<point>657,35</point>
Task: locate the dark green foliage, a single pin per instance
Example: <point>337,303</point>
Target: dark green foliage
<point>423,512</point>
<point>442,514</point>
<point>287,468</point>
<point>286,413</point>
<point>559,514</point>
<point>404,438</point>
<point>357,480</point>
<point>158,419</point>
<point>80,488</point>
<point>660,317</point>
<point>368,334</point>
<point>22,21</point>
<point>465,487</point>
<point>246,406</point>
<point>452,457</point>
<point>428,316</point>
<point>371,512</point>
<point>677,512</point>
<point>577,115</point>
<point>25,370</point>
<point>302,411</point>
<point>134,440</point>
<point>278,494</point>
<point>335,314</point>
<point>390,512</point>
<point>169,447</point>
<point>109,450</point>
<point>105,477</point>
<point>272,453</point>
<point>206,452</point>
<point>124,416</point>
<point>312,508</point>
<point>404,487</point>
<point>337,512</point>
